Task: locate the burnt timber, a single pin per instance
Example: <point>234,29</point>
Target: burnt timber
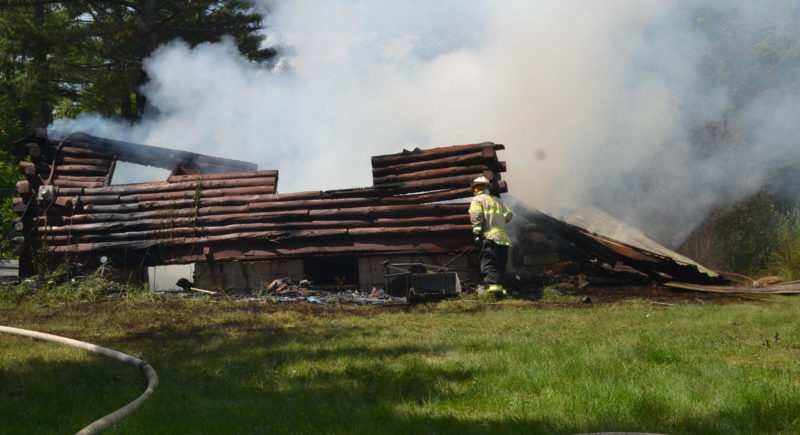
<point>579,244</point>
<point>228,216</point>
<point>221,210</point>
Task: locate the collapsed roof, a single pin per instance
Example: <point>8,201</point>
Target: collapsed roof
<point>615,234</point>
<point>638,252</point>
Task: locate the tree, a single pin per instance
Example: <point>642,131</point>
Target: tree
<point>87,55</point>
<point>755,47</point>
<point>28,89</point>
<point>128,31</point>
<point>28,86</point>
<point>755,51</point>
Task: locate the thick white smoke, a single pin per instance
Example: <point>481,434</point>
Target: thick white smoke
<point>596,101</point>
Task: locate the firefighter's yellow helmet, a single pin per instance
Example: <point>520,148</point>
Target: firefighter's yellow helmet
<point>481,181</point>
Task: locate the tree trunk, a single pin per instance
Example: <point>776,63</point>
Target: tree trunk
<point>147,22</point>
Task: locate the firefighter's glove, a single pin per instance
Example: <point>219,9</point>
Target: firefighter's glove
<point>478,240</point>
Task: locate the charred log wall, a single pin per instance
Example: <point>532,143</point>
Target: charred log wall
<point>240,216</point>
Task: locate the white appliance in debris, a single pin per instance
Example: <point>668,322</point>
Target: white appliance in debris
<point>164,278</point>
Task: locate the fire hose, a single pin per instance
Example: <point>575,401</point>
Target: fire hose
<point>119,414</point>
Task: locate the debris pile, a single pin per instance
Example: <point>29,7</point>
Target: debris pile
<point>289,290</point>
<point>592,250</point>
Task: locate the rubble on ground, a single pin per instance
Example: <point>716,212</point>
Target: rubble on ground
<point>289,290</point>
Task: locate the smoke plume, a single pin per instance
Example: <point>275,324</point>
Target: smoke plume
<point>612,103</point>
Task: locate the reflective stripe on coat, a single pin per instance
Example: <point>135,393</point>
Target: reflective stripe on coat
<point>489,216</point>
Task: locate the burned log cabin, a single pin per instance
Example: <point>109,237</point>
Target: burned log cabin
<point>228,219</point>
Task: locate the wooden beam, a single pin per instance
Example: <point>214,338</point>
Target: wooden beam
<point>457,181</point>
<point>486,156</point>
<point>83,153</point>
<point>276,237</point>
<point>98,234</point>
<point>61,182</point>
<point>430,154</point>
<point>264,191</point>
<point>122,222</point>
<point>163,186</point>
<point>265,236</point>
<point>392,211</point>
<point>385,246</point>
<point>421,220</point>
<point>395,189</point>
<point>79,178</point>
<point>68,191</point>
<point>439,173</point>
<point>29,169</point>
<point>188,227</point>
<point>248,213</point>
<point>110,175</point>
<point>70,160</point>
<point>224,176</point>
<point>82,169</point>
<point>24,188</point>
<point>18,205</point>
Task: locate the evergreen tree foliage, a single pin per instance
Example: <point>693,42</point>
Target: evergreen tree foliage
<point>79,56</point>
<point>66,57</point>
<point>755,52</point>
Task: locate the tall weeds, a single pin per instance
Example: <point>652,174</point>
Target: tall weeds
<point>753,237</point>
<point>785,260</point>
<point>58,286</point>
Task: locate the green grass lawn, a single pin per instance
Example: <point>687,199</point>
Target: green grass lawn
<point>452,367</point>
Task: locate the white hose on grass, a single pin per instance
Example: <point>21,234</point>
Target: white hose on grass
<point>108,420</point>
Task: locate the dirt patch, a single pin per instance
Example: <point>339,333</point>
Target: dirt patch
<point>665,295</point>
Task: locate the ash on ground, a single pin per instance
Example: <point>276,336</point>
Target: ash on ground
<point>289,290</point>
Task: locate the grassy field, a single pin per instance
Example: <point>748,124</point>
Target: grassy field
<point>454,367</point>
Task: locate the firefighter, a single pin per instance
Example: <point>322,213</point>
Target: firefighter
<point>489,217</point>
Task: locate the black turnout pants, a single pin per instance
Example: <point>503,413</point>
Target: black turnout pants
<point>493,262</point>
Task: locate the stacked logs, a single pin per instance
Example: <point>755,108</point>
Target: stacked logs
<point>239,215</point>
<point>455,162</point>
<point>69,167</point>
<point>53,167</point>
